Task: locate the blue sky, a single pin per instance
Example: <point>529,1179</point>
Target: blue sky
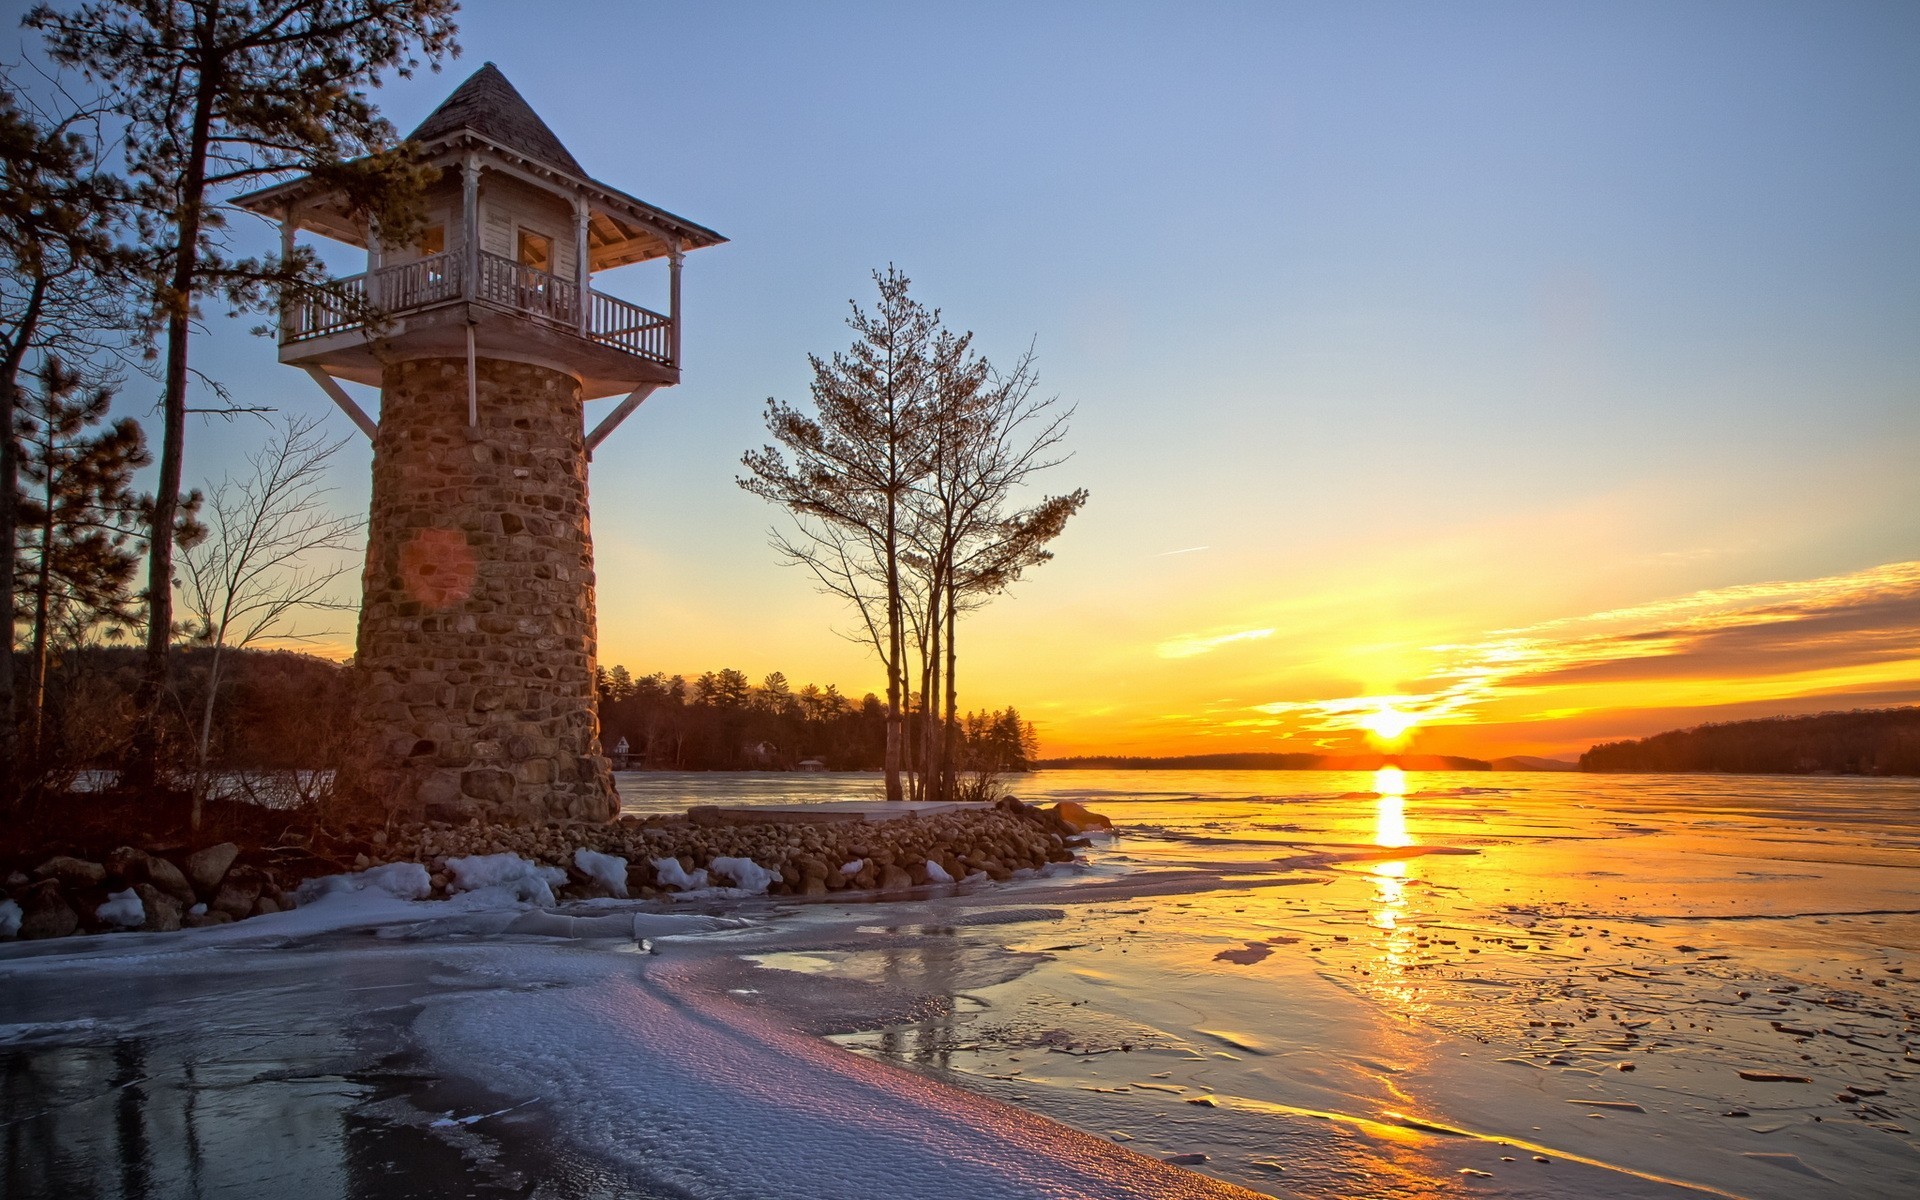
<point>1426,321</point>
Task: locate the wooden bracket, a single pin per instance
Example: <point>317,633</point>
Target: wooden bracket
<point>620,413</point>
<point>339,396</point>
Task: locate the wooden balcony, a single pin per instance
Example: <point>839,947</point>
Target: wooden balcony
<point>359,320</point>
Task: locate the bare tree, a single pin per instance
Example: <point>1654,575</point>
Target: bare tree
<point>854,461</point>
<point>274,550</point>
<point>901,491</point>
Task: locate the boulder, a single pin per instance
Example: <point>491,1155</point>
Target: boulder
<point>46,913</point>
<point>74,872</point>
<point>1076,818</point>
<point>206,868</point>
<point>238,893</point>
<point>893,879</point>
<point>137,866</point>
<point>163,910</point>
<point>202,920</point>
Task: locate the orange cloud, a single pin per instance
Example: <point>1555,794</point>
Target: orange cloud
<point>1754,648</point>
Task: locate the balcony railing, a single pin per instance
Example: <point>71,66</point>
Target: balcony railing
<point>356,301</point>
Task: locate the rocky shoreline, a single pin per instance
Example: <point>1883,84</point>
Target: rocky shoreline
<point>791,853</point>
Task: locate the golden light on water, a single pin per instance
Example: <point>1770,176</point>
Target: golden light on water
<point>1390,829</point>
<point>1390,811</point>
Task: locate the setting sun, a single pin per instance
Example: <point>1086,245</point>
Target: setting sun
<point>1388,723</point>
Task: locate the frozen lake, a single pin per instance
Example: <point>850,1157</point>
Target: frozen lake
<point>1327,984</point>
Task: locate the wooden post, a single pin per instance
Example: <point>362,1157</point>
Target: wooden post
<point>673,296</point>
<point>375,260</point>
<point>339,396</point>
<point>473,382</point>
<point>470,225</point>
<point>289,225</point>
<point>582,275</point>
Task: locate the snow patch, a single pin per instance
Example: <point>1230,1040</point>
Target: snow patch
<point>937,873</point>
<point>9,919</point>
<point>747,875</point>
<point>506,877</point>
<point>609,871</point>
<point>669,874</point>
<point>401,880</point>
<point>122,910</point>
<point>852,868</point>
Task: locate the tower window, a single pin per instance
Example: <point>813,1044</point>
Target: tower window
<point>536,250</point>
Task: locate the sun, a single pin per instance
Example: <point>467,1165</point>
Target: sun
<point>1388,723</point>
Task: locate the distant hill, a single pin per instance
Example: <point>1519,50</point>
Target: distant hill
<point>1529,762</point>
<point>1883,741</point>
<point>1266,762</point>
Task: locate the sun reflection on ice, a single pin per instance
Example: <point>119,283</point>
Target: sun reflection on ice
<point>1390,883</point>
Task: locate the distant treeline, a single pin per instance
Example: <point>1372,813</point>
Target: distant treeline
<point>1267,762</point>
<point>277,709</point>
<point>722,721</point>
<point>1884,741</point>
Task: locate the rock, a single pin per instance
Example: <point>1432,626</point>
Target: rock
<point>206,868</point>
<point>238,894</point>
<point>893,879</point>
<point>137,866</point>
<point>163,909</point>
<point>489,785</point>
<point>1076,818</point>
<point>74,872</point>
<point>202,920</point>
<point>265,906</point>
<point>46,913</point>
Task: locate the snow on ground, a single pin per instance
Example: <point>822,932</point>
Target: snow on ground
<point>401,880</point>
<point>609,870</point>
<point>671,874</point>
<point>937,873</point>
<point>122,909</point>
<point>746,874</point>
<point>10,915</point>
<point>506,876</point>
<point>654,1071</point>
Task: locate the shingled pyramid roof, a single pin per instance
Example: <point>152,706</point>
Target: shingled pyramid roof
<point>490,106</point>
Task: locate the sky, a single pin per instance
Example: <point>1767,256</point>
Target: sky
<point>1548,371</point>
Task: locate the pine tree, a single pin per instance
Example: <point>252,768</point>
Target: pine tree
<point>58,272</point>
<point>82,522</point>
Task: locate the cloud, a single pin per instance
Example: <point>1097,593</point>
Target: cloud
<point>1756,643</point>
<point>1192,645</point>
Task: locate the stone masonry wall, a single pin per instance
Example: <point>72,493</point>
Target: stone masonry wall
<point>476,648</point>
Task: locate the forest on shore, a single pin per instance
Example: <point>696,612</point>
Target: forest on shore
<point>283,709</point>
<point>1883,741</point>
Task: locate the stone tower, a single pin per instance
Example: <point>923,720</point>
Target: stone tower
<point>475,660</point>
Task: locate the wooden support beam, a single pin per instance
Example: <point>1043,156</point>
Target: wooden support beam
<point>339,396</point>
<point>673,302</point>
<point>620,413</point>
<point>473,381</point>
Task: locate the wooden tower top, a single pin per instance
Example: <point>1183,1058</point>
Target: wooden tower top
<point>515,230</point>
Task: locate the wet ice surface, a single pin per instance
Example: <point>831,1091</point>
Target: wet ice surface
<point>1294,983</point>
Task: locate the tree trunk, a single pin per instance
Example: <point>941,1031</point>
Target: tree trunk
<point>948,764</point>
<point>206,737</point>
<point>10,529</point>
<point>42,602</point>
<point>895,645</point>
<point>930,700</point>
<point>144,769</point>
